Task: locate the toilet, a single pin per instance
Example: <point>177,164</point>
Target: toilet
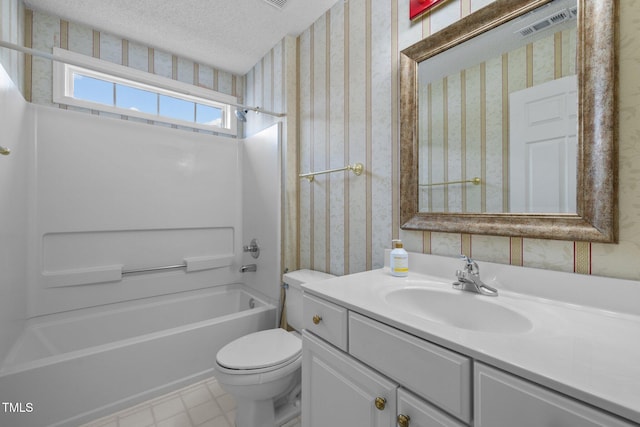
<point>262,370</point>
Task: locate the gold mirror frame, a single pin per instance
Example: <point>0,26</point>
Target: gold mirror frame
<point>597,181</point>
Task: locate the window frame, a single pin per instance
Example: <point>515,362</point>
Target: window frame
<point>63,81</point>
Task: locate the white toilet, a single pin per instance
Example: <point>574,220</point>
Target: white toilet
<point>262,370</point>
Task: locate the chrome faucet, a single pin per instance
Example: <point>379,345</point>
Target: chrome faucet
<point>253,248</point>
<point>248,267</point>
<point>469,279</point>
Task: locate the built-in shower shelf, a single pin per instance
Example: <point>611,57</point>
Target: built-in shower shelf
<point>115,273</point>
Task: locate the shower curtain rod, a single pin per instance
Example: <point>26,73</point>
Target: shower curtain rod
<point>52,57</point>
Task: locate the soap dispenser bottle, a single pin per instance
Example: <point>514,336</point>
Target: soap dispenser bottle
<point>399,262</point>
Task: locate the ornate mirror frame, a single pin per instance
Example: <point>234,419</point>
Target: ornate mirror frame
<point>597,181</point>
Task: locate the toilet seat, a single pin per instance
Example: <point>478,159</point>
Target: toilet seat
<point>260,352</point>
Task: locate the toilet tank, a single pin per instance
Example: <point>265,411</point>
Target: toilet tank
<point>293,301</point>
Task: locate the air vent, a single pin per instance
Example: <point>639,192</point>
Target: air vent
<point>547,22</point>
<point>526,31</point>
<point>559,17</point>
<point>277,3</point>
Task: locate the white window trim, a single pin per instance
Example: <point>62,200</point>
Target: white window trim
<point>104,70</point>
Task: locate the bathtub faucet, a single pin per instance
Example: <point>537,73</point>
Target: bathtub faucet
<point>248,267</point>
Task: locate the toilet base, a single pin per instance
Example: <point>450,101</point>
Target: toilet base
<point>288,410</point>
<point>255,413</point>
<point>262,413</point>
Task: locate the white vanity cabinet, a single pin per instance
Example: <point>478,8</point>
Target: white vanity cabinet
<point>362,388</point>
<point>337,390</point>
<point>357,371</point>
<point>503,399</point>
<point>436,374</point>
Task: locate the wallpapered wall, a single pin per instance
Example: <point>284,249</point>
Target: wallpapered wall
<point>43,32</point>
<point>348,112</point>
<point>340,94</point>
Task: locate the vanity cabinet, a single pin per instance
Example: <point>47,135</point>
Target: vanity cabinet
<point>337,390</point>
<point>357,371</point>
<point>438,375</point>
<point>502,399</point>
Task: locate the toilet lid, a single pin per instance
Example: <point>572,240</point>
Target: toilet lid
<point>260,350</point>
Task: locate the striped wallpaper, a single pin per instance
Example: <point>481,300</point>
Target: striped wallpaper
<point>347,109</point>
<point>43,32</point>
<point>464,129</point>
<point>340,93</point>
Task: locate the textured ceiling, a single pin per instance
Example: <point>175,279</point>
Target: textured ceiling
<point>231,35</point>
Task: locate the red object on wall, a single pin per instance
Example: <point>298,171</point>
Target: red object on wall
<point>418,7</point>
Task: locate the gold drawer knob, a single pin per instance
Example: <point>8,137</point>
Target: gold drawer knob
<point>380,403</point>
<point>403,420</point>
<point>316,319</point>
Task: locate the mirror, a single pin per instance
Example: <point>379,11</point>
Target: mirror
<point>497,118</point>
<point>435,157</point>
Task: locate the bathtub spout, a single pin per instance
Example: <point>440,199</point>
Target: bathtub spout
<point>248,267</point>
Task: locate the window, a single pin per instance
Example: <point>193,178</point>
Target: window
<point>131,92</point>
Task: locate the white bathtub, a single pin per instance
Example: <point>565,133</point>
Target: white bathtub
<point>70,368</point>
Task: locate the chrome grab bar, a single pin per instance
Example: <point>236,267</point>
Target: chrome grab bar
<point>147,270</point>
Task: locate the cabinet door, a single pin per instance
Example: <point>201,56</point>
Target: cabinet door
<point>503,400</point>
<point>339,391</point>
<point>419,413</point>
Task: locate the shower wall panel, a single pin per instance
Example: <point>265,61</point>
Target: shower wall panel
<point>261,205</point>
<point>114,195</point>
<point>15,125</point>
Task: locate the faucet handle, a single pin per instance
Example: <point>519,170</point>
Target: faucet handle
<point>465,258</point>
<point>470,265</point>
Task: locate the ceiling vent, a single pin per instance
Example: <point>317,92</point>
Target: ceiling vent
<point>279,4</point>
<point>555,19</point>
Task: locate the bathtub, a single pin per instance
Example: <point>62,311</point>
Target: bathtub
<point>70,368</point>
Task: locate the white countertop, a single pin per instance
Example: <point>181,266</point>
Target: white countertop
<point>591,353</point>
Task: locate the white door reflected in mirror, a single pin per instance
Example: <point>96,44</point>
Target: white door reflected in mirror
<point>543,147</point>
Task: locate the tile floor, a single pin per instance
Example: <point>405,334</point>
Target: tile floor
<point>203,404</point>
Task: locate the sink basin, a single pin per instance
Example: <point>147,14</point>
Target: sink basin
<point>463,310</point>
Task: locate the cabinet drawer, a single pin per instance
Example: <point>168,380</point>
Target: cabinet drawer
<point>421,413</point>
<point>504,400</point>
<point>325,319</point>
<point>439,375</point>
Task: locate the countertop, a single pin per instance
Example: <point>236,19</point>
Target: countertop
<point>587,352</point>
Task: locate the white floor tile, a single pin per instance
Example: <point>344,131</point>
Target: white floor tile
<point>196,396</point>
<point>205,412</point>
<point>109,422</point>
<point>141,418</point>
<point>216,422</point>
<point>179,420</point>
<point>215,388</point>
<point>167,408</point>
<point>226,402</point>
<point>204,404</point>
<point>231,416</point>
